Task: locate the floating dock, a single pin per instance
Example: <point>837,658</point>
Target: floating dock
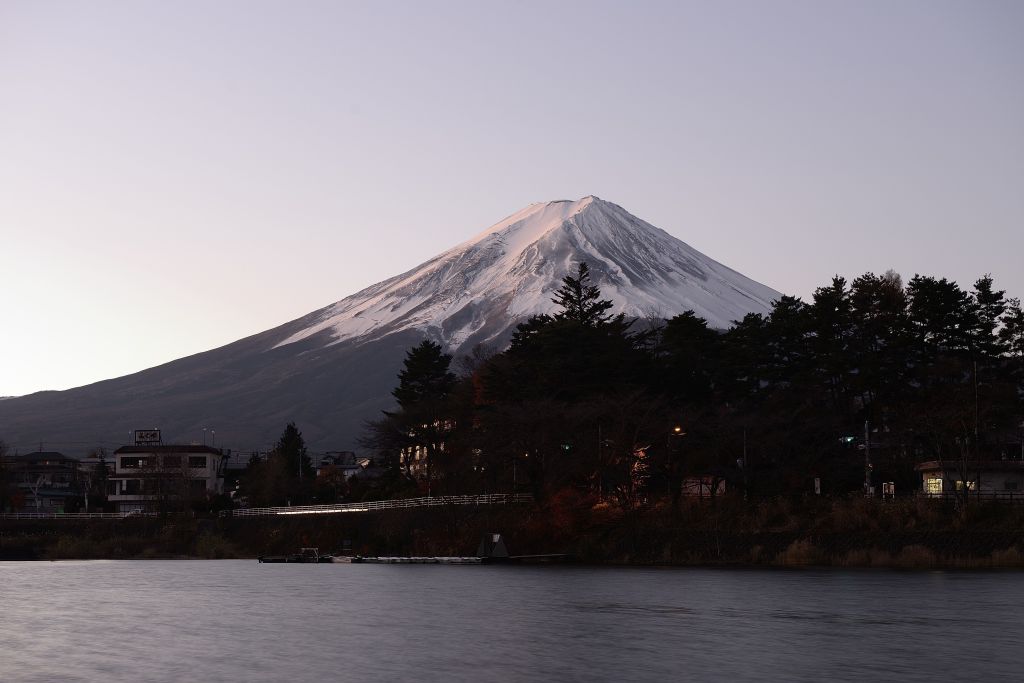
<point>410,560</point>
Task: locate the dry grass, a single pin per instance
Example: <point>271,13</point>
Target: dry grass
<point>1009,558</point>
<point>800,553</point>
<point>915,557</point>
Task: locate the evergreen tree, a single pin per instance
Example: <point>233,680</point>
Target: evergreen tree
<point>941,314</point>
<point>881,340</point>
<point>425,376</point>
<point>989,306</point>
<point>425,421</point>
<point>744,368</point>
<point>582,302</point>
<point>788,334</point>
<point>291,449</point>
<point>832,323</point>
<point>691,353</point>
<point>1011,334</point>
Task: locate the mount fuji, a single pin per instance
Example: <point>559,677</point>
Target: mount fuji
<point>475,292</point>
<point>332,369</point>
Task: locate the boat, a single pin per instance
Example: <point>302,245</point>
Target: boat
<point>304,556</point>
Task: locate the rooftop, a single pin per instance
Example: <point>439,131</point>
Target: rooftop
<point>169,448</point>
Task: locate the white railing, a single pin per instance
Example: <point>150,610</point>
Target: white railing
<point>984,496</point>
<point>73,515</point>
<point>374,505</point>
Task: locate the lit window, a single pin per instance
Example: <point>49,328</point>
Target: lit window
<point>134,463</point>
<point>933,485</point>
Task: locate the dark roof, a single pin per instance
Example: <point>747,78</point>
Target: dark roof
<point>42,455</point>
<point>972,465</point>
<point>168,449</point>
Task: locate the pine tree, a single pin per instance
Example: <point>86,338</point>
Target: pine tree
<point>425,376</point>
<point>690,353</point>
<point>941,313</point>
<point>881,339</point>
<point>1011,334</point>
<point>582,302</point>
<point>832,322</point>
<point>291,448</point>
<point>424,387</point>
<point>989,305</point>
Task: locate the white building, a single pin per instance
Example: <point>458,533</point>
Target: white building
<point>157,477</point>
<point>986,478</point>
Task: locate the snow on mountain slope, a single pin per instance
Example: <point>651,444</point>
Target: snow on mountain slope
<point>475,292</point>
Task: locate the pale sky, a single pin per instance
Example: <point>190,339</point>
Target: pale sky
<point>177,175</point>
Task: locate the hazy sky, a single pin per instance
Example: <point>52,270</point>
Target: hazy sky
<point>178,175</point>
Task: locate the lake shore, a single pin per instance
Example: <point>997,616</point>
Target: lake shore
<point>728,533</point>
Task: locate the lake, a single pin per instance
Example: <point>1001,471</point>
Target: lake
<point>245,621</point>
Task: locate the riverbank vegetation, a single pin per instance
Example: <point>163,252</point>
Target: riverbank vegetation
<point>803,532</point>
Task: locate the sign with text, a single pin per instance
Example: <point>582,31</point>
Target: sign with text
<point>147,437</point>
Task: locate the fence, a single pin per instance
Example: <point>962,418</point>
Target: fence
<point>74,515</point>
<point>983,496</point>
<point>375,505</point>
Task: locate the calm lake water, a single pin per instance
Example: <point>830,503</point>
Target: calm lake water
<point>243,621</point>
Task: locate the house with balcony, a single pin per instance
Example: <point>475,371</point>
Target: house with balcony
<point>44,481</point>
<point>165,477</point>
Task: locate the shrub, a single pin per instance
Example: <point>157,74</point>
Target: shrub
<point>800,553</point>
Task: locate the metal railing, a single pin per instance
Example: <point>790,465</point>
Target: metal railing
<point>1002,496</point>
<point>375,505</point>
<point>74,515</point>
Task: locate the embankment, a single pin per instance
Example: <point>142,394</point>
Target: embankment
<point>909,534</point>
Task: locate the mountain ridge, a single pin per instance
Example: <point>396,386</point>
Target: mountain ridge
<point>519,262</point>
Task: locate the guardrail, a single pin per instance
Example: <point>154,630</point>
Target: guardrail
<point>375,505</point>
<point>74,515</point>
<point>984,496</point>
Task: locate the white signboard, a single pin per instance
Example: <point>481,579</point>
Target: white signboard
<point>147,437</point>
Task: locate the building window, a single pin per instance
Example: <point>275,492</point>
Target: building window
<point>971,485</point>
<point>197,485</point>
<point>197,462</point>
<point>134,463</point>
<point>1011,485</point>
<point>132,487</point>
<point>933,485</point>
<point>172,462</point>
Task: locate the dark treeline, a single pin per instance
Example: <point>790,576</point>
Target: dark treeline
<point>587,403</point>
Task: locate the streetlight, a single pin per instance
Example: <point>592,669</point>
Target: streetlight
<point>671,463</point>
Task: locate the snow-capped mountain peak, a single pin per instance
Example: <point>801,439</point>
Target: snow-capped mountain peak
<point>477,291</point>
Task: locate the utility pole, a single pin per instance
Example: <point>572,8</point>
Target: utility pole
<point>977,442</point>
<point>746,481</point>
<point>867,458</point>
<point>976,420</point>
